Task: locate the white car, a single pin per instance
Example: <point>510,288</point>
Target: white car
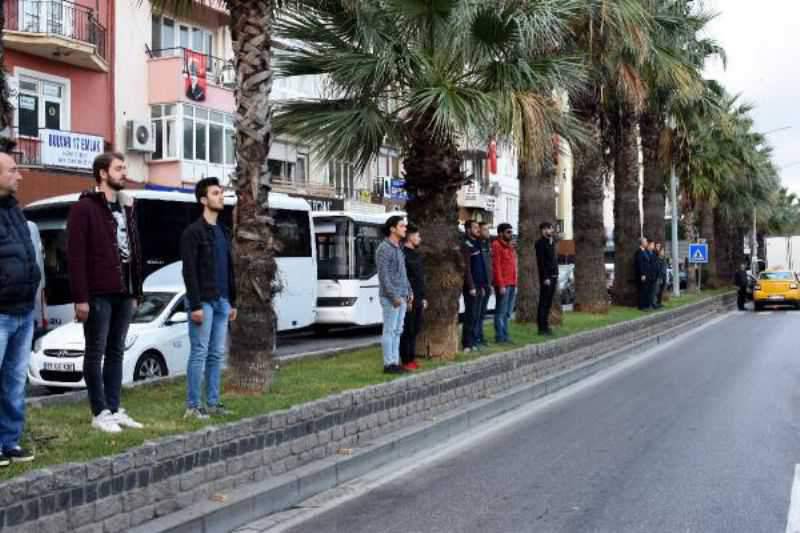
<point>157,342</point>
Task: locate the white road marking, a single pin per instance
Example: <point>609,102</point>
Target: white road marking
<point>793,522</point>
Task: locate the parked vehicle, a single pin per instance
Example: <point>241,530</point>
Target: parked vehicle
<point>157,343</point>
<point>162,217</point>
<point>566,284</point>
<point>776,287</point>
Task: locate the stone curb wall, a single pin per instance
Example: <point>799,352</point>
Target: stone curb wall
<point>160,477</point>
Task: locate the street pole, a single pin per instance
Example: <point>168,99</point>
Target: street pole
<point>676,271</point>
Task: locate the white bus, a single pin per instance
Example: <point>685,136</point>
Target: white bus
<point>347,293</point>
<point>162,217</point>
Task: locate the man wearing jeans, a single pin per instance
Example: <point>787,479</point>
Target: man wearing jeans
<point>211,294</point>
<point>395,291</point>
<point>504,270</point>
<point>105,274</point>
<point>20,280</point>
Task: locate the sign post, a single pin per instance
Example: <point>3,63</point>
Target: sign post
<point>698,254</point>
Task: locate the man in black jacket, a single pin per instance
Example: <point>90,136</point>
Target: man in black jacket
<point>547,261</point>
<point>20,279</point>
<point>741,282</point>
<point>211,298</point>
<point>415,269</point>
<point>642,266</point>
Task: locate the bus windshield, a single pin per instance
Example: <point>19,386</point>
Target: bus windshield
<point>333,253</point>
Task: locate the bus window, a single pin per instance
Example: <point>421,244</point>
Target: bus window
<point>293,232</point>
<point>368,237</point>
<point>161,225</point>
<point>56,291</point>
<point>332,250</point>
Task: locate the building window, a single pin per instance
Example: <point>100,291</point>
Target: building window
<point>164,119</point>
<point>167,42</point>
<point>342,176</point>
<point>42,102</point>
<point>207,135</point>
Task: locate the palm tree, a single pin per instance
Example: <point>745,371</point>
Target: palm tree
<point>615,36</point>
<point>419,76</point>
<point>673,75</point>
<point>253,333</point>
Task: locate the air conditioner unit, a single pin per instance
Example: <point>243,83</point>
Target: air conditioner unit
<point>140,136</point>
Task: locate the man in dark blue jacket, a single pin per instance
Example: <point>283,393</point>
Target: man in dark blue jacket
<point>476,286</point>
<point>644,274</point>
<point>20,280</point>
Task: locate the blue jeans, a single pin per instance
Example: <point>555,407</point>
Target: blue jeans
<point>392,330</point>
<point>504,306</point>
<point>16,335</point>
<point>207,342</point>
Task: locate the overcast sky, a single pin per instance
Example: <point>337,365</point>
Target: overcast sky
<point>762,40</point>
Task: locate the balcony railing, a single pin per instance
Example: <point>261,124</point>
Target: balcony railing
<point>218,71</point>
<point>56,17</point>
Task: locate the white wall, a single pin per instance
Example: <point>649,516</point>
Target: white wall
<point>133,29</point>
<point>507,204</point>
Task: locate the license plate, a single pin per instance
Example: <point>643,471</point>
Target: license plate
<point>59,367</point>
<point>776,297</point>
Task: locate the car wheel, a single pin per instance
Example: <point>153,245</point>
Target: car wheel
<point>150,365</point>
<point>758,306</point>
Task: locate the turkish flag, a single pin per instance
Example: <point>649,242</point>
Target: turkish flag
<point>493,157</point>
<point>196,82</point>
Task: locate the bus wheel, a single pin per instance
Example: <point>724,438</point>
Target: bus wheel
<point>322,330</point>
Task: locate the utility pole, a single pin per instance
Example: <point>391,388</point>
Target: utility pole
<point>676,271</point>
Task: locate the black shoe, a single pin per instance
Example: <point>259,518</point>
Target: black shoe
<point>393,369</point>
<point>4,461</point>
<point>218,410</point>
<point>546,333</point>
<point>19,455</point>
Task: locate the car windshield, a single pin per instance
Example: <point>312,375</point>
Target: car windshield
<point>152,306</point>
<point>776,276</point>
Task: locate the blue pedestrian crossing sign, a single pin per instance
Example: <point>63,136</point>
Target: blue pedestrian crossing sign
<point>698,253</point>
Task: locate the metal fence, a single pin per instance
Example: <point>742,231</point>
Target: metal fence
<point>56,17</point>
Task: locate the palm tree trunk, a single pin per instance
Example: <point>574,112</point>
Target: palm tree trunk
<point>252,335</point>
<point>627,221</point>
<point>433,177</point>
<point>591,294</point>
<point>710,276</point>
<point>653,187</point>
<point>537,205</point>
<point>725,235</point>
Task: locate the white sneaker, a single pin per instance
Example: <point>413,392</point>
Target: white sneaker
<point>124,420</point>
<point>106,422</point>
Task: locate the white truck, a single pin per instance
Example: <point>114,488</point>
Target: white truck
<point>783,253</point>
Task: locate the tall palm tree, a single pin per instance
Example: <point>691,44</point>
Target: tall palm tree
<point>614,35</point>
<point>419,76</point>
<point>253,333</point>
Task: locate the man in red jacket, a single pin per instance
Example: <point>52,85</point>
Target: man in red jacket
<point>504,267</point>
<point>105,274</point>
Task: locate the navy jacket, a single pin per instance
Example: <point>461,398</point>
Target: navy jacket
<point>475,275</point>
<point>643,266</point>
<point>199,265</point>
<point>19,273</point>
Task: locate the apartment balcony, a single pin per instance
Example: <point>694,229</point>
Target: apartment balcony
<point>472,196</point>
<point>302,187</point>
<point>172,70</point>
<point>58,30</point>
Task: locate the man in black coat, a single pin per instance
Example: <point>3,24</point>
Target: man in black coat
<point>644,275</point>
<point>547,261</point>
<point>741,282</point>
<point>20,277</point>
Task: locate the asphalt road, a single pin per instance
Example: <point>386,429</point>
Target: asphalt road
<point>699,437</point>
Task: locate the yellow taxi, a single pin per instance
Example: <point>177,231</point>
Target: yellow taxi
<point>776,287</point>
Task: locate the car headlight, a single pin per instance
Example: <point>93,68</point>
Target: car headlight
<point>130,341</point>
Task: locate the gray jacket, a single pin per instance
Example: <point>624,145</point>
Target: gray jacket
<point>392,275</point>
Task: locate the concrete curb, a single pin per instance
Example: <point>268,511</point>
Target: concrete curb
<point>254,501</point>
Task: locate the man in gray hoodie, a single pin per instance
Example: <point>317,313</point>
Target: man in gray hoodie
<point>395,291</point>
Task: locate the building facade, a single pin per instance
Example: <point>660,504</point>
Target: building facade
<point>59,57</point>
